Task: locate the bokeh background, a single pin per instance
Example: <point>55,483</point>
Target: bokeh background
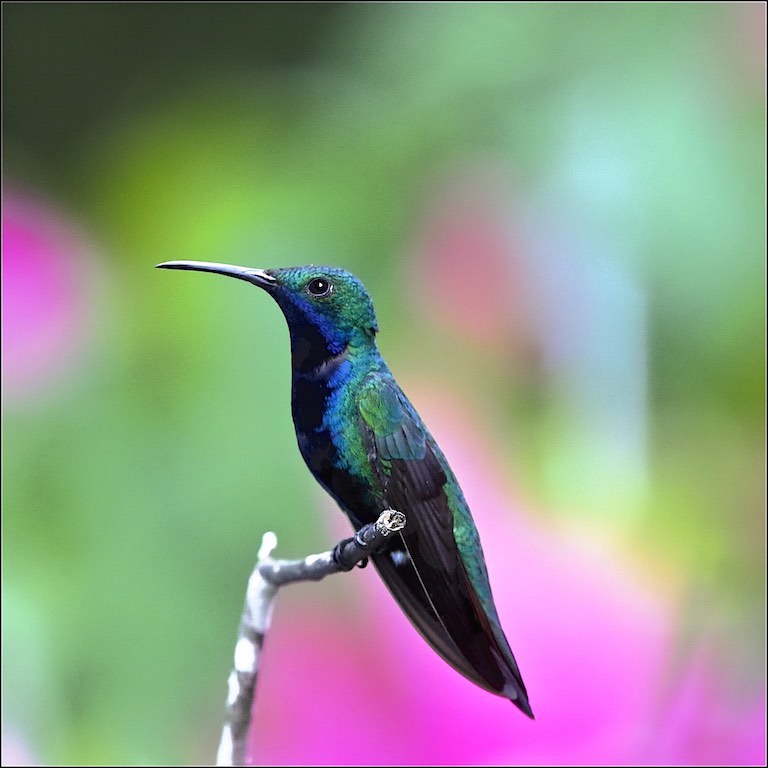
<point>560,213</point>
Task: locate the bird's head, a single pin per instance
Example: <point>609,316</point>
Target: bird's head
<point>328,301</point>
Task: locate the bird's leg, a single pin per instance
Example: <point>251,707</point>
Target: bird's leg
<point>370,538</point>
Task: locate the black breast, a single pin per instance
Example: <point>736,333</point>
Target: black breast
<point>322,456</point>
<point>314,360</point>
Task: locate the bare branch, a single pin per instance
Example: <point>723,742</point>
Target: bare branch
<point>268,575</point>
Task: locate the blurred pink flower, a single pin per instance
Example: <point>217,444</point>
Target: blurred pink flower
<point>467,260</point>
<point>593,644</point>
<point>44,295</point>
<point>705,724</point>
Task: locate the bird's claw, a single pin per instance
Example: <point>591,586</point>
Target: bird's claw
<point>390,521</point>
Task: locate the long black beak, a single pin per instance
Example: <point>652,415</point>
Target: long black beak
<point>249,274</point>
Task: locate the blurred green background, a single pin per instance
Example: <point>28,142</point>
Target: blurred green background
<point>560,213</point>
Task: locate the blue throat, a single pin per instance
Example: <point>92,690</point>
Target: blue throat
<point>311,349</point>
<point>320,366</point>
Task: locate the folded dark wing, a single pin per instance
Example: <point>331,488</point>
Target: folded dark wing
<point>424,569</point>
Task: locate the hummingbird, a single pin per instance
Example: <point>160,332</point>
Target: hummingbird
<point>368,448</point>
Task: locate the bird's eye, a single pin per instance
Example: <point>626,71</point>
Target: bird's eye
<point>319,287</point>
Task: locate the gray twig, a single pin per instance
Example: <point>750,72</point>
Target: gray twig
<point>267,576</point>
